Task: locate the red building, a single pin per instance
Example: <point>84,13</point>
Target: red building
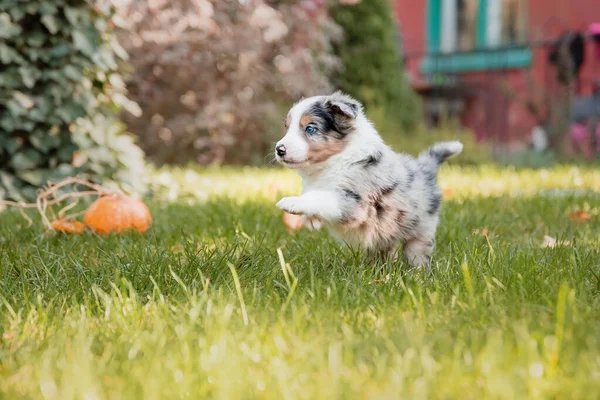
<point>489,62</point>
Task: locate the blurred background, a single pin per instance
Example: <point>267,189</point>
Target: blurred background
<point>100,87</point>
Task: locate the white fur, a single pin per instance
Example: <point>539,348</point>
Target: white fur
<point>297,147</point>
<point>398,196</point>
<point>455,147</point>
<point>314,203</point>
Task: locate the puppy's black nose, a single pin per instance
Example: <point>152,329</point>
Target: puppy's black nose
<point>281,150</point>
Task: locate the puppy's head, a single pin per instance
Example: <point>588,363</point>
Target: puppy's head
<point>317,128</point>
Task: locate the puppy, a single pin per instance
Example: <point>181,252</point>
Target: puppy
<point>367,195</point>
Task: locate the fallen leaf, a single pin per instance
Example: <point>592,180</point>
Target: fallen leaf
<point>447,193</point>
<point>292,222</point>
<point>274,188</point>
<point>551,242</point>
<point>8,335</point>
<point>380,281</point>
<point>243,260</point>
<point>64,225</point>
<point>580,216</point>
<point>483,232</point>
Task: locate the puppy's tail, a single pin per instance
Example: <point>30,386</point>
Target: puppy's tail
<point>440,152</point>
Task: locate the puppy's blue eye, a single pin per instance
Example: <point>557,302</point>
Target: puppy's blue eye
<point>310,129</point>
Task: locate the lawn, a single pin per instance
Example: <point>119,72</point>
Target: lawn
<point>203,306</point>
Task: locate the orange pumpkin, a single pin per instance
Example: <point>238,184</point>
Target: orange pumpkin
<point>117,213</point>
<point>65,225</point>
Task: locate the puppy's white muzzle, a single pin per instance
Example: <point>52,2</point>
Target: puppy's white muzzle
<point>292,150</point>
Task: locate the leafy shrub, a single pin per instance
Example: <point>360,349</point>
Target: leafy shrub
<point>60,88</point>
<point>214,78</point>
<point>413,141</point>
<point>370,54</point>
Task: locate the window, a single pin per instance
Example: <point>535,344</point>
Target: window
<point>471,24</point>
<point>459,24</point>
<point>461,33</point>
<point>466,24</point>
<point>507,23</point>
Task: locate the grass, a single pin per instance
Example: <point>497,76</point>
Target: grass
<point>202,306</point>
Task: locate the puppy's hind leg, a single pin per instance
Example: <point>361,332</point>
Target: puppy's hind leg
<point>418,252</point>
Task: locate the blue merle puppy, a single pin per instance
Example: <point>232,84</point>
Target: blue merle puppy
<point>353,183</point>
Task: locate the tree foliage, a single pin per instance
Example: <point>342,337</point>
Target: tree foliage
<point>214,78</point>
<point>370,54</point>
<point>59,91</point>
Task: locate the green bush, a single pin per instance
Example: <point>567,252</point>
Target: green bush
<point>372,69</point>
<point>417,139</point>
<point>60,90</point>
<point>211,89</point>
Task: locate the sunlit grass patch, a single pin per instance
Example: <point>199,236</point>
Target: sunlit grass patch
<point>202,305</point>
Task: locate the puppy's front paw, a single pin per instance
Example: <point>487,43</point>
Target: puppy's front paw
<point>290,204</point>
<point>312,223</point>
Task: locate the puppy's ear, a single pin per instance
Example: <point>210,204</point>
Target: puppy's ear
<point>343,105</point>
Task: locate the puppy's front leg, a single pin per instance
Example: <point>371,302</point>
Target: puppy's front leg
<point>322,204</point>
